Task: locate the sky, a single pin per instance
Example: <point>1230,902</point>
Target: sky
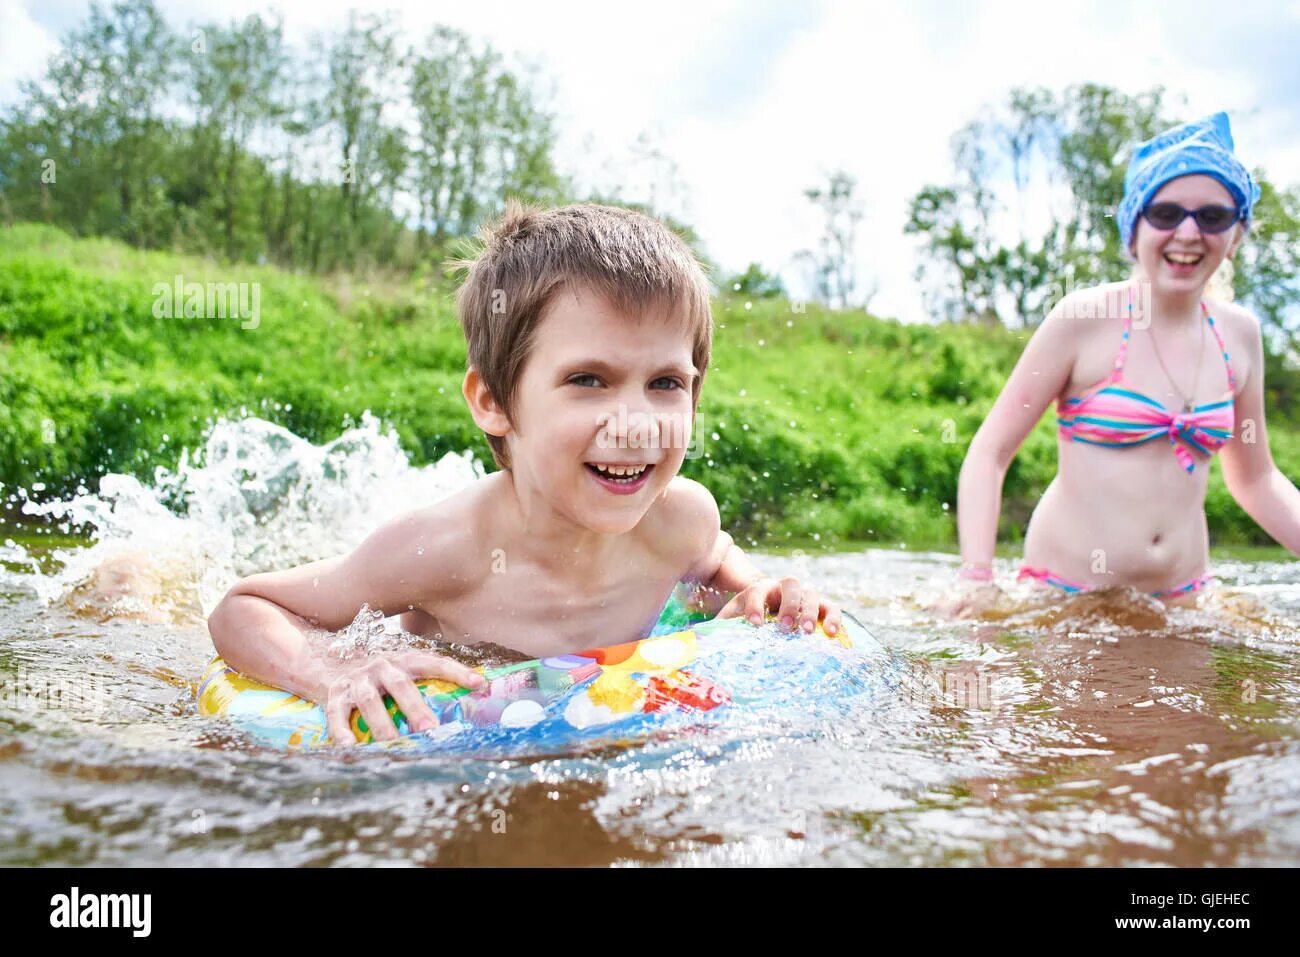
<point>753,102</point>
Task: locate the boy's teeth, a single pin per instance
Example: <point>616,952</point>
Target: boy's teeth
<point>620,470</point>
<point>1182,258</point>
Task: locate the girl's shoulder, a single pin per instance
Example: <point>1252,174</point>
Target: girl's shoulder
<point>1233,317</point>
<point>1102,300</point>
<point>1239,328</point>
<point>1088,312</point>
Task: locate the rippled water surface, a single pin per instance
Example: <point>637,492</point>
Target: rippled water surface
<point>1100,729</point>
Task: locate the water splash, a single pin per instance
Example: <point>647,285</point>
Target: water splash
<point>254,498</point>
<point>364,635</point>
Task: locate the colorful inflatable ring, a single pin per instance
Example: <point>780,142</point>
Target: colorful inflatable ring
<point>554,700</point>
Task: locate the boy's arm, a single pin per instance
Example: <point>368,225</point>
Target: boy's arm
<point>723,569</point>
<point>260,626</point>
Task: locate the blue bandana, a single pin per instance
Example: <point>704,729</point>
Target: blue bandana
<point>1203,146</point>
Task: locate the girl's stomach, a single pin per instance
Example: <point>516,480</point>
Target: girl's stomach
<point>1121,517</point>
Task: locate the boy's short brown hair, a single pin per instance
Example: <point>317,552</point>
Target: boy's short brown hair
<point>524,258</point>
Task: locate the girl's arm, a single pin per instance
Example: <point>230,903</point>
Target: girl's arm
<point>1249,472</point>
<point>1041,374</point>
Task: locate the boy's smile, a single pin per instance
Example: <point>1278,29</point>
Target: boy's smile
<point>603,411</point>
<point>621,479</point>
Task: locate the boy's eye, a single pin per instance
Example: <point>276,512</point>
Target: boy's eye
<point>672,383</point>
<point>583,378</point>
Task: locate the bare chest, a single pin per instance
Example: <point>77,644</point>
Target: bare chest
<point>538,615</point>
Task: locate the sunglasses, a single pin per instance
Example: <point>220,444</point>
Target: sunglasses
<point>1209,219</point>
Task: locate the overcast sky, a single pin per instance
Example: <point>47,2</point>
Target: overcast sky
<point>754,101</point>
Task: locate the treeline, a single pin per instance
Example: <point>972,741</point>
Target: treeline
<point>1054,164</point>
<point>356,150</point>
<point>225,140</point>
<point>869,448</point>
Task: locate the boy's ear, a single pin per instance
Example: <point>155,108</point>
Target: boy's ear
<point>488,416</point>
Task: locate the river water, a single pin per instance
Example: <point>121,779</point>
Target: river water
<point>1100,729</point>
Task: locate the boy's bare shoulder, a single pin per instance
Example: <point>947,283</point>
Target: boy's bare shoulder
<point>441,543</point>
<point>684,522</point>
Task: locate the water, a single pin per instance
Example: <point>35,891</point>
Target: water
<point>1101,729</point>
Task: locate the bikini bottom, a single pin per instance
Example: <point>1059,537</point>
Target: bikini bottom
<point>1056,581</point>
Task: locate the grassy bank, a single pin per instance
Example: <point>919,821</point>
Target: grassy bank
<point>834,424</point>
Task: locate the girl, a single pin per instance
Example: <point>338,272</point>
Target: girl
<point>1150,379</point>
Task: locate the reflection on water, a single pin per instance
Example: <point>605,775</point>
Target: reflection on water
<point>1099,729</point>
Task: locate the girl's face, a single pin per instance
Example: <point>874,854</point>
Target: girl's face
<point>1182,259</point>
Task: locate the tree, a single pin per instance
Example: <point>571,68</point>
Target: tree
<point>236,74</point>
<point>1079,142</point>
<point>480,136</point>
<point>90,139</point>
<point>1100,127</point>
<point>755,283</point>
<point>1082,141</point>
<point>1268,273</point>
<point>363,63</point>
<point>834,269</point>
<point>243,146</point>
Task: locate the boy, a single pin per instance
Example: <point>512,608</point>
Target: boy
<point>589,334</point>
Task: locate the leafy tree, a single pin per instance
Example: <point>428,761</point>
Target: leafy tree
<point>480,136</point>
<point>243,146</point>
<point>88,142</point>
<point>1081,141</point>
<point>1267,276</point>
<point>755,283</point>
<point>363,62</point>
<point>236,74</point>
<point>834,269</point>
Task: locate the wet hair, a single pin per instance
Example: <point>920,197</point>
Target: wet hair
<point>528,255</point>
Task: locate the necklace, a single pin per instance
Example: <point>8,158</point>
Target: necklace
<point>1187,399</point>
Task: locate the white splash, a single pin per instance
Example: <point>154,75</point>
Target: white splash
<point>255,498</point>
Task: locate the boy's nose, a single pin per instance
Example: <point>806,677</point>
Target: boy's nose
<point>634,426</point>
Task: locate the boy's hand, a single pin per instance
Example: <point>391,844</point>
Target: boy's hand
<point>795,605</point>
<point>361,685</point>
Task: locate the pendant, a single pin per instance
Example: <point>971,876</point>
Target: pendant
<point>1187,405</point>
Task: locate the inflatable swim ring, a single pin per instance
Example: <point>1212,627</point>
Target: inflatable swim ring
<point>564,700</point>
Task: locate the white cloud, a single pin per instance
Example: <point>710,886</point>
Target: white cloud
<point>24,48</point>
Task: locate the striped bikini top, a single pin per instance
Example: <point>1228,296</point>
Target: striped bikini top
<point>1111,415</point>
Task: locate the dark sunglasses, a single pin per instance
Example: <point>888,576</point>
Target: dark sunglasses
<point>1209,219</point>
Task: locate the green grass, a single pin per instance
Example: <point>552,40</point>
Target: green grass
<point>836,425</point>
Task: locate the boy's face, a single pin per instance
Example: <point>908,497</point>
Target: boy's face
<point>602,393</point>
